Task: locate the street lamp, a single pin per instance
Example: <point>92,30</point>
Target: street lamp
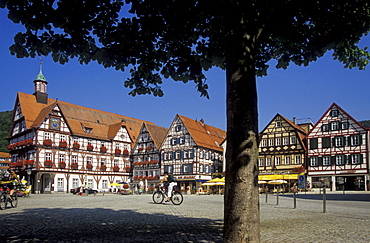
<point>29,172</point>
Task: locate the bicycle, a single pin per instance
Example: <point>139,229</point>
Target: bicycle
<point>6,199</point>
<point>161,194</point>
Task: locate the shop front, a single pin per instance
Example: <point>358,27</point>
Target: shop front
<point>191,184</point>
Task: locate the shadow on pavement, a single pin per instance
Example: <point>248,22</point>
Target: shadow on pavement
<point>332,196</point>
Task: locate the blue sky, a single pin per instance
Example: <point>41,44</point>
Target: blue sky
<point>301,92</point>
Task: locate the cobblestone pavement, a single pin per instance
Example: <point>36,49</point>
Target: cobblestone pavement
<point>135,218</point>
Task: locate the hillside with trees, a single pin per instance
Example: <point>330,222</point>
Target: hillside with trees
<point>5,126</point>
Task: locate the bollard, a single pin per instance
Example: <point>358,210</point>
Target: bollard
<point>294,200</point>
<point>277,196</point>
<point>324,199</point>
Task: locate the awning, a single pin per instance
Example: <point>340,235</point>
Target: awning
<point>278,177</point>
<point>277,182</point>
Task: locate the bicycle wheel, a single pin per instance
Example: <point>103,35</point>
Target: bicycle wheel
<point>177,198</point>
<point>158,197</point>
<point>3,201</point>
<point>14,202</point>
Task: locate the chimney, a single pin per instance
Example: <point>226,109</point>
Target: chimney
<point>294,120</point>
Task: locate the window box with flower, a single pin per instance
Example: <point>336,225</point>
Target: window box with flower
<point>62,144</point>
<point>126,152</point>
<point>48,163</point>
<point>47,142</point>
<point>117,151</point>
<point>90,147</point>
<point>149,148</point>
<point>89,166</point>
<point>140,149</point>
<point>103,167</point>
<point>62,164</point>
<point>103,149</point>
<point>74,166</point>
<point>115,168</point>
<point>76,146</point>
<point>128,169</point>
<point>29,163</point>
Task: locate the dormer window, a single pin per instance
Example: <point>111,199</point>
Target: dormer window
<point>334,113</point>
<point>178,128</point>
<point>86,129</point>
<point>278,124</point>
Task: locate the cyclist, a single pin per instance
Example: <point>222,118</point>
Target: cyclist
<point>8,179</point>
<point>171,181</point>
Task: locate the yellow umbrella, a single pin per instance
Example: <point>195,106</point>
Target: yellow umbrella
<point>216,180</point>
<point>115,184</point>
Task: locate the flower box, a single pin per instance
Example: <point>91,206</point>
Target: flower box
<point>29,163</point>
<point>103,149</point>
<point>62,144</point>
<point>74,166</point>
<point>117,151</point>
<point>89,166</point>
<point>12,146</point>
<point>90,147</point>
<point>28,142</point>
<point>62,165</point>
<point>47,142</point>
<point>140,149</point>
<point>115,168</point>
<point>128,169</point>
<point>103,167</point>
<point>126,152</point>
<point>149,148</point>
<point>48,163</point>
<point>76,146</point>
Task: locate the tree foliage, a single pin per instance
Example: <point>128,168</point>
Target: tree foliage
<point>181,39</point>
<point>5,126</point>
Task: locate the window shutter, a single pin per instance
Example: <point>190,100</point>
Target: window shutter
<point>349,141</point>
<point>333,142</point>
<point>361,158</point>
<point>360,138</point>
<point>181,154</point>
<point>313,143</point>
<point>190,168</point>
<point>347,159</point>
<point>320,161</point>
<point>326,142</point>
<point>173,155</point>
<point>332,160</point>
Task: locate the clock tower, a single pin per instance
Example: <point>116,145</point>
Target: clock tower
<point>40,87</point>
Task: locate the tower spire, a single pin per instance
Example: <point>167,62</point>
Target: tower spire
<point>40,87</point>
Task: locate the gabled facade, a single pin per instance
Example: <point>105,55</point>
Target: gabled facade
<point>338,152</point>
<point>146,155</point>
<point>282,149</point>
<point>4,160</point>
<point>191,151</point>
<point>62,146</point>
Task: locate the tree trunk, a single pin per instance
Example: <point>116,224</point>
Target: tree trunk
<point>241,204</point>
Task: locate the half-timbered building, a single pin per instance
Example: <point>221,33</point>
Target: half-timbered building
<point>63,146</point>
<point>146,155</point>
<point>338,152</point>
<point>191,151</point>
<point>282,149</point>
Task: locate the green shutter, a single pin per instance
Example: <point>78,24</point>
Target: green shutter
<point>332,160</point>
<point>320,161</point>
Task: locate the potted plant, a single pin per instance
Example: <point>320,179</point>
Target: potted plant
<point>48,163</point>
<point>128,168</point>
<point>74,166</point>
<point>62,144</point>
<point>115,168</point>
<point>90,147</point>
<point>126,152</point>
<point>47,142</point>
<point>103,167</point>
<point>62,164</point>
<point>117,151</point>
<point>76,146</point>
<point>103,149</point>
<point>89,166</point>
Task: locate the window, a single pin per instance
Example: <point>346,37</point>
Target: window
<point>326,160</point>
<point>191,154</point>
<point>356,140</point>
<point>177,154</point>
<point>102,161</point>
<point>90,183</point>
<point>278,141</point>
<point>338,141</point>
<point>261,162</point>
<point>313,161</point>
<point>74,182</point>
<point>60,183</point>
<point>286,141</point>
<point>335,126</point>
<point>178,128</point>
<point>345,125</point>
<point>277,161</point>
<point>47,156</point>
<point>271,142</point>
<point>201,154</point>
<point>47,135</point>
<point>62,137</point>
<point>287,160</point>
<point>182,140</point>
<point>74,159</point>
<point>115,162</point>
<point>293,140</point>
<point>61,157</point>
<point>278,124</point>
<point>264,143</point>
<point>200,168</point>
<point>105,184</point>
<point>339,160</point>
<point>297,159</point>
<point>313,143</point>
<point>89,160</point>
<point>268,162</point>
<point>356,159</point>
<point>325,128</point>
<point>334,113</point>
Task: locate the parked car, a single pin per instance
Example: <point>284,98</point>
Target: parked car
<point>89,190</point>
